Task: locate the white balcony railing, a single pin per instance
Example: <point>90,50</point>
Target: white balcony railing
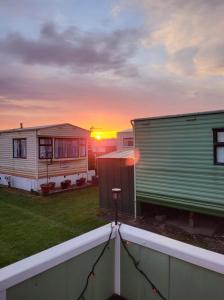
<point>178,270</point>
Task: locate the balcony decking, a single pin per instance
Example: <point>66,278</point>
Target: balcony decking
<point>180,271</point>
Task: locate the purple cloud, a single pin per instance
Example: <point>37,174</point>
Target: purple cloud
<point>82,51</point>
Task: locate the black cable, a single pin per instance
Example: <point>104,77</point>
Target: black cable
<point>81,297</point>
<point>136,263</point>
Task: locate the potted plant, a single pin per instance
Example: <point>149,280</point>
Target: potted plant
<point>95,180</point>
<point>83,180</point>
<point>68,182</point>
<point>51,185</point>
<point>80,181</point>
<point>64,185</point>
<point>45,188</point>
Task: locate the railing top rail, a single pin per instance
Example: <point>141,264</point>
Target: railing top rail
<point>192,254</point>
<point>40,262</point>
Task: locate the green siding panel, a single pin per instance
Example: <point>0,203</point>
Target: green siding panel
<point>188,281</point>
<point>66,280</point>
<point>176,163</point>
<point>176,279</point>
<point>156,266</point>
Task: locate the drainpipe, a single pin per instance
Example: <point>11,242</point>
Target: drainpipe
<point>135,202</point>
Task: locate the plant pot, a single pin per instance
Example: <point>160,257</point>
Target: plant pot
<point>83,180</point>
<point>51,185</point>
<point>68,182</point>
<point>95,180</point>
<point>64,185</point>
<point>45,189</point>
<point>80,182</point>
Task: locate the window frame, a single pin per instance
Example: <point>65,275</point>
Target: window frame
<point>128,139</point>
<point>39,145</point>
<point>13,145</point>
<point>217,144</point>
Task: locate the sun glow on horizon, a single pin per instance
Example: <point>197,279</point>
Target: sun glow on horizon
<point>102,135</point>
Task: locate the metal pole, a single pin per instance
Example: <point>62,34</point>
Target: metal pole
<point>135,201</point>
<point>116,192</point>
<point>116,196</point>
<point>115,201</point>
<point>47,168</point>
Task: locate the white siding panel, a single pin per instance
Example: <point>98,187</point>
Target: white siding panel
<point>18,166</point>
<point>66,167</point>
<point>65,130</point>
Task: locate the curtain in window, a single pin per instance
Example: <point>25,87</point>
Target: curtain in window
<point>82,147</point>
<point>220,154</point>
<point>66,148</point>
<point>16,148</point>
<point>23,148</point>
<point>45,141</point>
<point>19,148</point>
<point>45,148</point>
<point>45,151</point>
<point>75,148</point>
<point>220,137</point>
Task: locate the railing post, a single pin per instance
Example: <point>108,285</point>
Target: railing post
<point>117,263</point>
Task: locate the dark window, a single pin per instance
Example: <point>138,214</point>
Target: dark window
<point>45,148</point>
<point>82,148</point>
<point>128,142</point>
<point>19,148</point>
<point>218,146</point>
<point>66,148</point>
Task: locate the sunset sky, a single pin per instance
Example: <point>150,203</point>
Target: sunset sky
<point>103,62</point>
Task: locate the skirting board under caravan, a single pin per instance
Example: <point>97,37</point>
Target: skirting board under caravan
<point>34,184</point>
<point>22,183</point>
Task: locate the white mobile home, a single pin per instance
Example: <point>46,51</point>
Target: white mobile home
<point>27,155</point>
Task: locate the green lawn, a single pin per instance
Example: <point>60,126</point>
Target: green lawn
<point>30,223</point>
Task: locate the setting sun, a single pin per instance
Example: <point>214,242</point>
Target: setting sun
<point>98,137</point>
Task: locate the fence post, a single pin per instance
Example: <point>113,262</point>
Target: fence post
<point>117,263</point>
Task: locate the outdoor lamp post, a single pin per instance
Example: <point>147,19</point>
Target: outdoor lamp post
<point>116,192</point>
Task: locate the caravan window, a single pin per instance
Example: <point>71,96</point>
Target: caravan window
<point>66,148</point>
<point>45,148</point>
<point>219,146</point>
<point>19,148</point>
<point>128,142</point>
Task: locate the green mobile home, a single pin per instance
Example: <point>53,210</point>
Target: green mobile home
<point>181,161</point>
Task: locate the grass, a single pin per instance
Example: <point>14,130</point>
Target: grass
<point>30,223</point>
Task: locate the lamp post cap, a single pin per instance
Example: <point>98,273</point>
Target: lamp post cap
<point>116,190</point>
